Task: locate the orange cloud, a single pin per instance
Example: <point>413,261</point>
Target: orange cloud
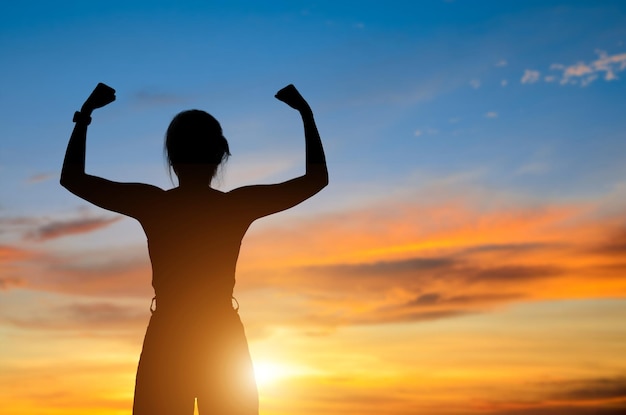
<point>44,229</point>
<point>103,275</point>
<point>10,257</point>
<point>41,177</point>
<point>58,229</point>
<point>422,261</point>
<point>10,254</point>
<point>7,283</point>
<point>83,317</point>
<point>606,396</point>
<point>408,260</point>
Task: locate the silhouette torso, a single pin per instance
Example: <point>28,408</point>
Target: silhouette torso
<point>194,239</point>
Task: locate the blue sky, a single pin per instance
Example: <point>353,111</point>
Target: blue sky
<point>397,88</point>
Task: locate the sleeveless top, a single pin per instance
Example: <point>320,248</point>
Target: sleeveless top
<point>194,241</point>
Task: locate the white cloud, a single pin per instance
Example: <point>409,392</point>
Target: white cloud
<point>475,83</point>
<point>429,131</point>
<point>504,82</point>
<point>491,114</point>
<point>586,81</point>
<point>530,76</point>
<point>583,73</point>
<point>501,63</point>
<point>578,72</point>
<point>610,64</point>
<point>578,69</point>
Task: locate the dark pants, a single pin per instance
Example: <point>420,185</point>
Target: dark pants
<point>188,355</point>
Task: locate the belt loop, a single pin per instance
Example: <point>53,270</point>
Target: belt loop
<point>153,305</point>
<point>236,302</point>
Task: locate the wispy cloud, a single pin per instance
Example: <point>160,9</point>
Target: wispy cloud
<point>614,243</point>
<point>591,389</point>
<point>417,289</point>
<point>594,396</point>
<point>57,229</point>
<point>530,76</point>
<point>428,131</point>
<point>419,262</point>
<point>7,283</point>
<point>41,229</point>
<point>41,177</point>
<point>582,73</point>
<point>10,259</point>
<point>11,253</point>
<point>491,114</point>
<point>501,63</point>
<point>104,274</point>
<point>82,317</point>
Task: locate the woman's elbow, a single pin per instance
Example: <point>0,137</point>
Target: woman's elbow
<point>66,180</point>
<point>63,181</point>
<point>324,180</point>
<point>70,180</point>
<point>318,175</point>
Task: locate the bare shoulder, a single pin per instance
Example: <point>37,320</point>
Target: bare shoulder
<point>244,193</point>
<point>143,190</point>
<point>266,199</point>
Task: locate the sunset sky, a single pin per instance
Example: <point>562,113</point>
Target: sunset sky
<point>468,256</point>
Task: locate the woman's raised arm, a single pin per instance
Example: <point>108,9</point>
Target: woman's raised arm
<point>315,158</point>
<point>73,173</point>
<point>264,200</point>
<point>119,197</point>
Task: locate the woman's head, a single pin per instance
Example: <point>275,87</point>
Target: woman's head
<point>194,142</point>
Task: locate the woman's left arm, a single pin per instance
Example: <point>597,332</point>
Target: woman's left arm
<point>125,198</point>
<point>263,200</point>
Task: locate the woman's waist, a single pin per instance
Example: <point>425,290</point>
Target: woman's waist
<point>192,301</point>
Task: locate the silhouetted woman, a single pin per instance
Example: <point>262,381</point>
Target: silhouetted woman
<point>195,346</point>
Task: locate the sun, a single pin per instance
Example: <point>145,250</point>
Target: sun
<point>266,372</point>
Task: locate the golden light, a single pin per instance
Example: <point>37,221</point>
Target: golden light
<point>266,372</point>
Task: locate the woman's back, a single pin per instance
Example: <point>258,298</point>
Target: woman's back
<point>193,240</point>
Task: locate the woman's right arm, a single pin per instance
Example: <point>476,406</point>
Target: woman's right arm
<point>125,198</point>
<point>263,200</point>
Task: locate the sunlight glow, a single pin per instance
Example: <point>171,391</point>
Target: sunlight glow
<point>267,372</point>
